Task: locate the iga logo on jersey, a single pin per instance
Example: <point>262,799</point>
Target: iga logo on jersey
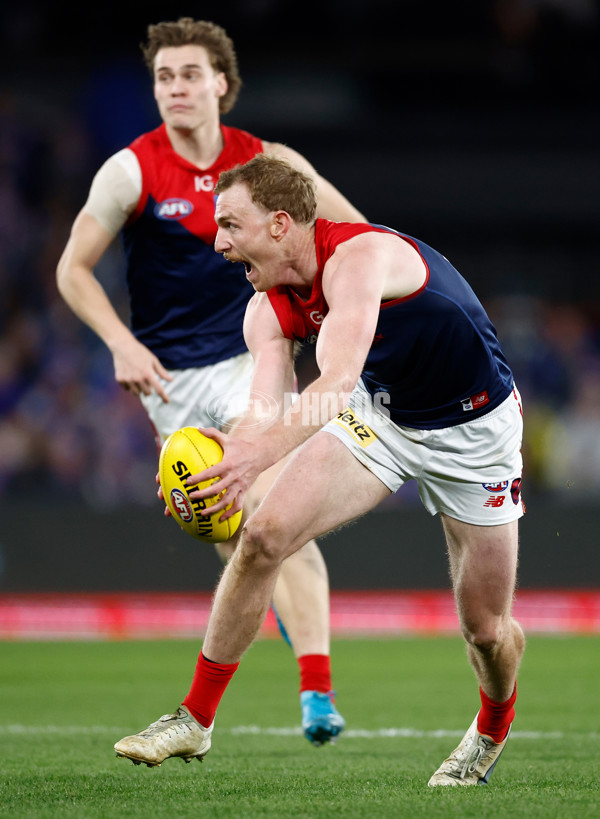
<point>173,209</point>
<point>181,505</point>
<point>204,183</point>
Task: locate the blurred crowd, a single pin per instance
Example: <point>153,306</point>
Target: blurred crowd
<point>66,427</point>
<point>68,430</point>
<point>554,351</point>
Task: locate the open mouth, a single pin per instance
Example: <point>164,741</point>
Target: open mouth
<point>231,258</point>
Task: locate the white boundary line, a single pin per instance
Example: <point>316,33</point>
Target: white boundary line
<point>256,730</point>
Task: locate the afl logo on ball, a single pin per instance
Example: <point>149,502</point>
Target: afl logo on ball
<point>181,505</point>
<point>173,209</point>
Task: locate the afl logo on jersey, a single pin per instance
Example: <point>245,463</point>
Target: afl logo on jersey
<point>173,209</point>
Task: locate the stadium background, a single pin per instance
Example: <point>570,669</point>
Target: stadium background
<point>473,126</point>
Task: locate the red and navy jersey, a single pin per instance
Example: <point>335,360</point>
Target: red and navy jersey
<point>435,360</point>
<point>187,301</point>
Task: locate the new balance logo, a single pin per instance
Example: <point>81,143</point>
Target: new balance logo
<point>475,401</point>
<point>495,501</point>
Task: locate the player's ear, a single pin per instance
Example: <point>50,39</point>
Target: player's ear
<point>280,224</point>
<point>221,84</point>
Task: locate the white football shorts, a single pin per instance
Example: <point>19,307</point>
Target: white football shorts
<point>471,472</point>
<point>202,396</point>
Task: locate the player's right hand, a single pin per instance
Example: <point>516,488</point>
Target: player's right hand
<point>138,370</point>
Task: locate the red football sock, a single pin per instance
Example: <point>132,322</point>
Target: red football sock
<point>208,686</point>
<point>494,718</point>
<point>315,672</point>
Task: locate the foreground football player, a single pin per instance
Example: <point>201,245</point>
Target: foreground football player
<point>185,355</point>
<point>413,385</point>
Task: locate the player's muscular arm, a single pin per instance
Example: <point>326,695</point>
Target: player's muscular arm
<point>273,376</point>
<point>273,354</point>
<point>331,204</point>
<point>353,281</point>
<point>78,286</point>
<point>135,366</point>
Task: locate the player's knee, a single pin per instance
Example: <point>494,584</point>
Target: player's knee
<point>484,634</point>
<point>263,541</point>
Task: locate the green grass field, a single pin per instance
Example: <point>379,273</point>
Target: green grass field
<point>407,702</point>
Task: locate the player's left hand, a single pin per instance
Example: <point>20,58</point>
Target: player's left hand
<point>242,463</point>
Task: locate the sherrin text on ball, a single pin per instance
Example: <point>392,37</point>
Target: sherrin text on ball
<point>187,452</point>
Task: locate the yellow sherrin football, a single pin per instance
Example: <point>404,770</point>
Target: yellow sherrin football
<point>186,452</point>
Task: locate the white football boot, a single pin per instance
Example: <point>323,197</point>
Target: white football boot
<point>472,762</point>
<point>177,734</point>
